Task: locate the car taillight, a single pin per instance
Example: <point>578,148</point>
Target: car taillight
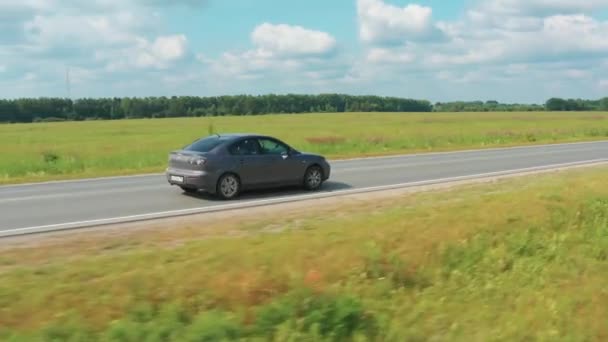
<point>197,161</point>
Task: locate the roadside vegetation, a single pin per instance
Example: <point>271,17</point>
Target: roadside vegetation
<point>48,151</point>
<point>522,259</point>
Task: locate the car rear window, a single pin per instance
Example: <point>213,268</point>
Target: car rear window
<point>205,144</point>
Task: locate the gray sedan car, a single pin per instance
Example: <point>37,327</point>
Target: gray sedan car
<point>226,164</point>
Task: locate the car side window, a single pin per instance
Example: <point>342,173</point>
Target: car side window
<point>245,147</point>
<point>273,147</point>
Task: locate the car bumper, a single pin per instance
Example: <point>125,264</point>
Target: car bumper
<point>200,180</point>
<point>326,170</point>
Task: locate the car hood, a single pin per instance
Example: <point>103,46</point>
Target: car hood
<point>311,155</point>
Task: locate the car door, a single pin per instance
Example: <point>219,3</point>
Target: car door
<point>249,163</point>
<point>280,166</point>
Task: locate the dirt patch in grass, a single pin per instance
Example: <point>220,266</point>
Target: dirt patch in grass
<point>377,140</point>
<point>594,117</point>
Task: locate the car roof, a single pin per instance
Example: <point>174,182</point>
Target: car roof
<point>234,136</point>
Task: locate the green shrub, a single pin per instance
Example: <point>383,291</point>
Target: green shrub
<point>315,315</point>
<point>214,326</point>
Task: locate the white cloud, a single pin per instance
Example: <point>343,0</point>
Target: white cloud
<point>575,32</point>
<point>489,51</point>
<point>289,40</point>
<point>169,48</point>
<point>30,76</point>
<point>78,6</point>
<point>248,64</point>
<point>110,47</point>
<point>484,37</point>
<point>577,73</point>
<point>542,7</point>
<point>158,54</point>
<point>384,55</point>
<point>279,49</point>
<point>381,23</point>
<point>192,3</point>
<point>80,76</point>
<point>516,69</point>
<point>542,46</point>
<point>91,37</point>
<point>46,32</point>
<point>559,37</point>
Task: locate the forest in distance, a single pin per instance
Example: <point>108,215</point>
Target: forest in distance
<point>46,109</point>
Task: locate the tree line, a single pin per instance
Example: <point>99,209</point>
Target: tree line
<point>557,104</point>
<point>60,109</point>
<point>488,106</point>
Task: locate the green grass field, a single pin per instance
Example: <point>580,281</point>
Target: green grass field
<point>524,259</point>
<point>45,151</point>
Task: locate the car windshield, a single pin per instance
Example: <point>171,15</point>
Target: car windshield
<point>205,145</point>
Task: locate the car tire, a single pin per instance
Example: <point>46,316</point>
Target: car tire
<point>313,178</point>
<point>228,186</point>
<point>189,190</point>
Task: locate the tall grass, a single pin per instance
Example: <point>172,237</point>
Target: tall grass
<point>43,151</point>
<point>521,260</point>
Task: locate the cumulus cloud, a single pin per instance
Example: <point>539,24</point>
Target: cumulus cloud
<point>99,34</point>
<point>483,38</point>
<point>556,37</point>
<point>290,40</point>
<point>384,55</point>
<point>280,49</point>
<point>93,30</point>
<point>249,64</point>
<point>158,54</point>
<point>382,23</point>
<point>101,42</point>
<point>497,42</point>
<point>30,76</point>
<point>542,7</point>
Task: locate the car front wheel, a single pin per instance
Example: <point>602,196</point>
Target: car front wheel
<point>228,186</point>
<point>313,178</point>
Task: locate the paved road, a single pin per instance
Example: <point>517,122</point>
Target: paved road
<point>50,206</point>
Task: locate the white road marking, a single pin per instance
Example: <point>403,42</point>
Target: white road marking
<point>481,149</point>
<point>58,195</point>
<point>284,199</point>
<point>441,162</point>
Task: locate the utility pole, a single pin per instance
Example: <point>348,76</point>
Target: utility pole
<point>68,87</point>
<point>67,82</point>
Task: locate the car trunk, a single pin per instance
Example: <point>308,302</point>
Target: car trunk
<point>185,160</point>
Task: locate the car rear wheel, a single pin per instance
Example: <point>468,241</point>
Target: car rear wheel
<point>313,178</point>
<point>228,186</point>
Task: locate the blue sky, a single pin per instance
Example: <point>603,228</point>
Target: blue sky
<point>507,50</point>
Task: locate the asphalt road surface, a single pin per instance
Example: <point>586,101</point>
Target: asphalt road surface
<point>75,204</point>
